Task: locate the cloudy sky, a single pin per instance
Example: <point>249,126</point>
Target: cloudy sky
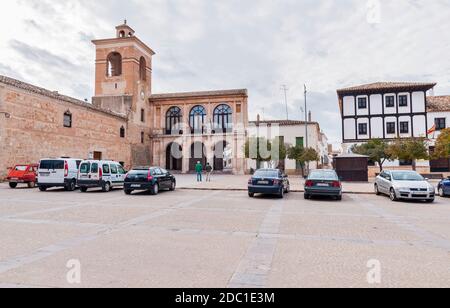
<point>221,44</point>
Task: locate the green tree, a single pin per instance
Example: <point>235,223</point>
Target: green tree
<point>442,149</point>
<point>259,149</point>
<point>302,155</point>
<point>409,149</point>
<point>377,150</point>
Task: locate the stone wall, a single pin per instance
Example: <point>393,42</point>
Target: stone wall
<point>36,130</point>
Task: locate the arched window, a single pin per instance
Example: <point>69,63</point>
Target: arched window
<point>223,119</point>
<point>122,34</point>
<point>114,65</point>
<point>143,69</point>
<point>173,121</point>
<point>122,132</point>
<point>197,120</point>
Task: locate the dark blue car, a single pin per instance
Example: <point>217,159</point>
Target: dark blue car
<point>270,182</point>
<point>444,187</point>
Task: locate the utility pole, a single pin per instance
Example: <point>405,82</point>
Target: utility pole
<point>284,88</point>
<point>306,128</point>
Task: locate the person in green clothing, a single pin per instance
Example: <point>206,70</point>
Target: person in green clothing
<point>199,170</point>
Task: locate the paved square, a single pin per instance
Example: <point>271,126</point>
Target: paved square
<point>192,238</point>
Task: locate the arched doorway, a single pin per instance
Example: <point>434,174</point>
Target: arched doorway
<point>174,157</point>
<point>198,154</point>
<point>223,156</point>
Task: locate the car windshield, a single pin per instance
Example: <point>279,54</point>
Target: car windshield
<point>266,174</point>
<point>323,175</point>
<point>138,172</point>
<point>51,164</point>
<point>21,168</point>
<point>407,176</point>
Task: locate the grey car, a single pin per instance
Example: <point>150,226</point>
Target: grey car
<point>404,185</point>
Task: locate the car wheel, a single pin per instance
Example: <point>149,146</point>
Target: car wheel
<point>307,197</point>
<point>128,192</point>
<point>251,195</point>
<point>339,198</point>
<point>12,185</point>
<point>377,191</point>
<point>392,195</point>
<point>42,188</point>
<point>155,190</point>
<point>173,186</point>
<point>83,189</point>
<point>71,186</point>
<point>441,192</point>
<point>31,184</point>
<point>106,187</point>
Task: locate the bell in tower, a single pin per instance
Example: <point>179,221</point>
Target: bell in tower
<point>124,30</point>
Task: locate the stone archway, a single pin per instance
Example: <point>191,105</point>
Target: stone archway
<point>174,157</point>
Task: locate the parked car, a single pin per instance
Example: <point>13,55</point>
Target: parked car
<point>152,179</point>
<point>26,174</point>
<point>58,172</point>
<point>269,181</point>
<point>100,174</point>
<point>404,185</point>
<point>323,183</point>
<point>444,187</point>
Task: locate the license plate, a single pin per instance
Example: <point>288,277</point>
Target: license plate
<point>44,174</point>
<point>14,179</point>
<point>323,185</point>
<point>263,182</point>
<point>135,186</point>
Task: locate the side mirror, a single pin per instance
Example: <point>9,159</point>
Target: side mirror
<point>427,179</point>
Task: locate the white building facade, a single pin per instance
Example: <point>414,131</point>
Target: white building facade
<point>388,111</point>
<point>292,133</point>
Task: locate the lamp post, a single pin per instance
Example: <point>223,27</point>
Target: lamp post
<point>306,128</point>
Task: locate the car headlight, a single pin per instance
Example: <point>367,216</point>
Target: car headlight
<point>431,189</point>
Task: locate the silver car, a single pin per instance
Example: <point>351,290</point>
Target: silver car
<point>404,185</point>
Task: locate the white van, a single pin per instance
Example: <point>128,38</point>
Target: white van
<point>100,174</point>
<point>58,172</point>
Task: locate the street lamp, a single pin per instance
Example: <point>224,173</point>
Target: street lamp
<point>7,115</point>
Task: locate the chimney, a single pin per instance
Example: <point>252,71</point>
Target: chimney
<point>310,116</point>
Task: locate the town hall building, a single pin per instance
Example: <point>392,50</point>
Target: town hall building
<point>125,122</point>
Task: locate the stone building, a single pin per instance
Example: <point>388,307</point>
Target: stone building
<point>125,122</point>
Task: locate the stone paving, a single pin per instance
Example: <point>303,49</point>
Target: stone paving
<point>196,238</point>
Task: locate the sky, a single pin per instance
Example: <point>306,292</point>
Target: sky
<point>259,45</point>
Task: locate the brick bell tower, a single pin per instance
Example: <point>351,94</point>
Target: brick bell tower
<point>123,84</point>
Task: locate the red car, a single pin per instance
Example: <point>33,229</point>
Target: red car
<point>26,174</point>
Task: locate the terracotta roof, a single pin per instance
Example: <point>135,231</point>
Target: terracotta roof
<point>240,92</point>
<point>53,94</point>
<point>381,86</point>
<point>438,103</point>
<point>283,122</point>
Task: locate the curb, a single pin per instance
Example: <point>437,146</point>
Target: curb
<point>245,190</point>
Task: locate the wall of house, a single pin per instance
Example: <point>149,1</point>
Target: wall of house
<point>35,130</point>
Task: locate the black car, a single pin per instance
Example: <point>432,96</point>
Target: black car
<point>152,179</point>
<point>269,181</point>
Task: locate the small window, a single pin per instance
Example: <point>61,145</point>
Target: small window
<point>238,108</point>
<point>113,169</point>
<point>122,132</point>
<point>362,128</point>
<point>68,119</point>
<point>440,123</point>
<point>404,127</point>
<point>106,169</point>
<point>94,168</point>
<point>142,137</point>
<point>390,101</point>
<point>362,103</point>
<point>142,115</point>
<point>85,167</point>
<point>390,128</point>
<point>403,101</point>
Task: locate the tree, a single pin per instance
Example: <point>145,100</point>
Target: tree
<point>377,150</point>
<point>409,149</point>
<point>442,149</point>
<point>302,155</point>
<point>279,152</point>
<point>259,149</point>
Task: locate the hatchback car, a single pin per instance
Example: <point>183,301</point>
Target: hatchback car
<point>269,181</point>
<point>26,174</point>
<point>106,175</point>
<point>404,185</point>
<point>444,187</point>
<point>152,179</point>
<point>323,183</point>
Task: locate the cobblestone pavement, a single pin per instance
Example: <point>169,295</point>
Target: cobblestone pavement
<point>220,239</point>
